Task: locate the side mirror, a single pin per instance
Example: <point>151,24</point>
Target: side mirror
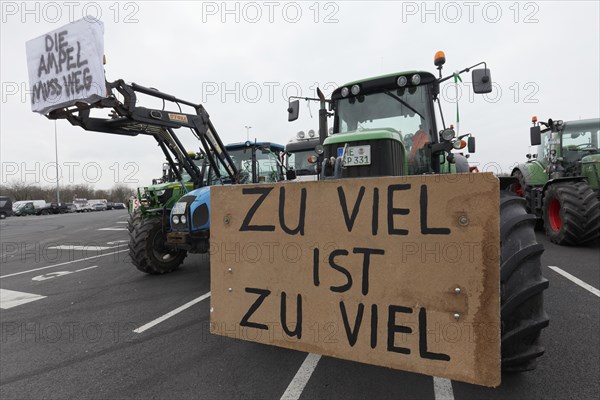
<point>536,135</point>
<point>471,144</point>
<point>482,80</point>
<point>293,110</point>
<point>290,174</point>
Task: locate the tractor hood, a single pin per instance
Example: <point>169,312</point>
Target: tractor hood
<point>196,207</point>
<point>165,186</point>
<point>593,158</point>
<point>362,135</point>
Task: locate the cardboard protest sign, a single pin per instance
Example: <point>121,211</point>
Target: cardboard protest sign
<point>401,272</point>
<point>66,66</point>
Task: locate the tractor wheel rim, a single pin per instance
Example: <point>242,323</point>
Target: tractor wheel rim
<point>160,252</point>
<point>554,215</point>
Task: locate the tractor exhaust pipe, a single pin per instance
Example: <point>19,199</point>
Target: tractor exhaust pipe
<point>322,117</point>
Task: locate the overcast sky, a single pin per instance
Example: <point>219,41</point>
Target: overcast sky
<point>240,58</point>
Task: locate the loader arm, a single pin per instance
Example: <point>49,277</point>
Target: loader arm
<point>126,118</point>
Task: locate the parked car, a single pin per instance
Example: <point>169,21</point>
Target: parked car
<point>58,208</point>
<point>99,207</point>
<point>5,207</point>
<point>25,209</point>
<point>71,208</point>
<point>119,206</point>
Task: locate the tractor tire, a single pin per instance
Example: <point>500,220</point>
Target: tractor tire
<point>147,251</point>
<point>571,213</point>
<point>522,286</point>
<point>133,220</point>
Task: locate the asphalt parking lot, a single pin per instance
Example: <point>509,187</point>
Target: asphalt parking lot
<point>79,321</point>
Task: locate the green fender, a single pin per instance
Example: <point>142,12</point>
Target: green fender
<point>590,170</point>
<point>533,173</point>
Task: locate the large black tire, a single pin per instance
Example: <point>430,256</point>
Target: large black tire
<point>147,248</point>
<point>134,219</point>
<point>571,213</point>
<point>522,286</point>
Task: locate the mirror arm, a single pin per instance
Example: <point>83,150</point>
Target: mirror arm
<point>308,99</point>
<point>462,71</point>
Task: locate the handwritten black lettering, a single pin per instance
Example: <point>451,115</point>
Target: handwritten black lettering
<point>349,219</point>
<point>424,229</point>
<point>352,333</point>
<point>392,230</point>
<point>348,284</point>
<point>67,66</point>
<point>423,340</point>
<point>366,263</point>
<point>263,294</point>
<point>263,192</point>
<point>298,330</point>
<point>393,328</point>
<point>301,217</point>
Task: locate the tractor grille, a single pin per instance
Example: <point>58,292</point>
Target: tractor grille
<point>387,158</point>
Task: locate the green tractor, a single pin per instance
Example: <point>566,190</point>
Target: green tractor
<point>387,126</point>
<point>163,192</point>
<point>561,182</point>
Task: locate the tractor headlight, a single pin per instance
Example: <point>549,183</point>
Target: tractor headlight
<point>311,133</point>
<point>345,92</point>
<point>355,89</point>
<point>416,79</point>
<point>300,135</point>
<point>159,192</point>
<point>183,219</point>
<point>175,219</point>
<point>319,149</point>
<point>402,81</point>
<point>448,134</point>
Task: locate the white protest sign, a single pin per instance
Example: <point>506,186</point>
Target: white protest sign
<point>66,66</point>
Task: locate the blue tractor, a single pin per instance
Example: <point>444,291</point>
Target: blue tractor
<point>256,162</point>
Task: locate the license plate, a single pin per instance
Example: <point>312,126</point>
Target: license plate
<point>179,208</point>
<point>356,155</point>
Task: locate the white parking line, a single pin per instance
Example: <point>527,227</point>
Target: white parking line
<point>118,241</point>
<point>170,314</point>
<point>442,389</point>
<point>64,263</point>
<point>74,247</point>
<point>296,386</point>
<point>12,298</point>
<point>576,280</point>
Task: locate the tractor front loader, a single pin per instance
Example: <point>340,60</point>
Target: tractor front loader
<point>149,223</point>
<point>561,183</point>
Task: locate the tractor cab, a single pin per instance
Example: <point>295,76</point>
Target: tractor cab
<point>386,125</point>
<point>383,126</point>
<point>566,148</point>
<point>301,155</point>
<point>258,162</point>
